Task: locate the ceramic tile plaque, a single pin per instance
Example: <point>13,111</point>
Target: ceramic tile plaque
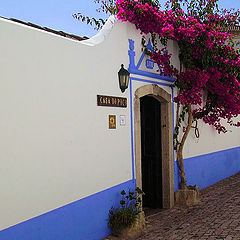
<point>112,121</point>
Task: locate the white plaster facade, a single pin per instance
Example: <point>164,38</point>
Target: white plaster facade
<point>55,145</point>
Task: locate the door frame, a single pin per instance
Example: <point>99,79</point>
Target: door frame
<point>167,140</point>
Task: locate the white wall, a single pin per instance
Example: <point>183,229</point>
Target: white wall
<point>55,145</point>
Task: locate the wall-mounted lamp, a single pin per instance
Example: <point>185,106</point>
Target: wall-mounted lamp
<point>123,76</point>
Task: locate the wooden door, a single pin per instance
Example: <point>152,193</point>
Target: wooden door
<point>151,152</point>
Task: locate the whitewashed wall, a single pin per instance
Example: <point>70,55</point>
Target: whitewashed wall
<point>55,145</point>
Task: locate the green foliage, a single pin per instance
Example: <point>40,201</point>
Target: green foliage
<point>154,3</point>
<point>96,23</point>
<point>185,54</point>
<point>120,219</point>
<point>125,216</point>
<point>108,7</point>
<point>200,8</point>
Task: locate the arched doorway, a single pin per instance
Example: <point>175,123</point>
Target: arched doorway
<point>154,145</point>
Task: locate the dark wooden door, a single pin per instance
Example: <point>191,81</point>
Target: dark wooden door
<point>151,152</point>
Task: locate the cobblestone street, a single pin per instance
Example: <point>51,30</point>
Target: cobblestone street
<point>217,216</point>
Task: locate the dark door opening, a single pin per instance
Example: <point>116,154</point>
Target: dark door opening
<point>151,152</point>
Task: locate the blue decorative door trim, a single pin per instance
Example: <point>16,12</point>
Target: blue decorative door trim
<point>134,69</point>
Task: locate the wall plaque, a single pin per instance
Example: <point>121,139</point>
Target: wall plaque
<point>111,101</point>
<point>122,120</point>
<point>112,121</point>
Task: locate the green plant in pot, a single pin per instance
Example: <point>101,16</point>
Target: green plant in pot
<point>126,216</point>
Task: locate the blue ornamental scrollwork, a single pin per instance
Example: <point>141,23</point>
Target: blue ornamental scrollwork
<point>149,64</point>
<point>131,54</point>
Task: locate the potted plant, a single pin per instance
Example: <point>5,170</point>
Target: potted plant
<point>128,222</point>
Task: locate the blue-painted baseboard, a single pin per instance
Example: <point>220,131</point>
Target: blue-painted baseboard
<point>85,219</point>
<point>208,169</point>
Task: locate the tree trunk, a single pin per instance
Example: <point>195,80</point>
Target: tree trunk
<point>183,183</point>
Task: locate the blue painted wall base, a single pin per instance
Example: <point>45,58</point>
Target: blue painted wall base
<point>85,219</point>
<point>208,169</point>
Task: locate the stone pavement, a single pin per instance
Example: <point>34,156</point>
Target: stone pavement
<point>216,217</point>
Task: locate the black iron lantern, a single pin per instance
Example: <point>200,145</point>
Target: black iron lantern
<point>123,76</point>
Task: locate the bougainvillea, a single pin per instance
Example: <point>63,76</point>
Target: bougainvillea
<point>211,65</point>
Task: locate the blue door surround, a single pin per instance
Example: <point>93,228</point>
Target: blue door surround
<point>203,170</point>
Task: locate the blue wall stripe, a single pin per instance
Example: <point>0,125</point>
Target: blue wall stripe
<point>150,81</point>
<point>151,75</point>
<point>85,219</point>
<point>140,61</point>
<point>132,131</point>
<point>173,119</point>
<point>211,168</point>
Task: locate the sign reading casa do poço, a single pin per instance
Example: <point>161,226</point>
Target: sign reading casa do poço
<point>111,101</point>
